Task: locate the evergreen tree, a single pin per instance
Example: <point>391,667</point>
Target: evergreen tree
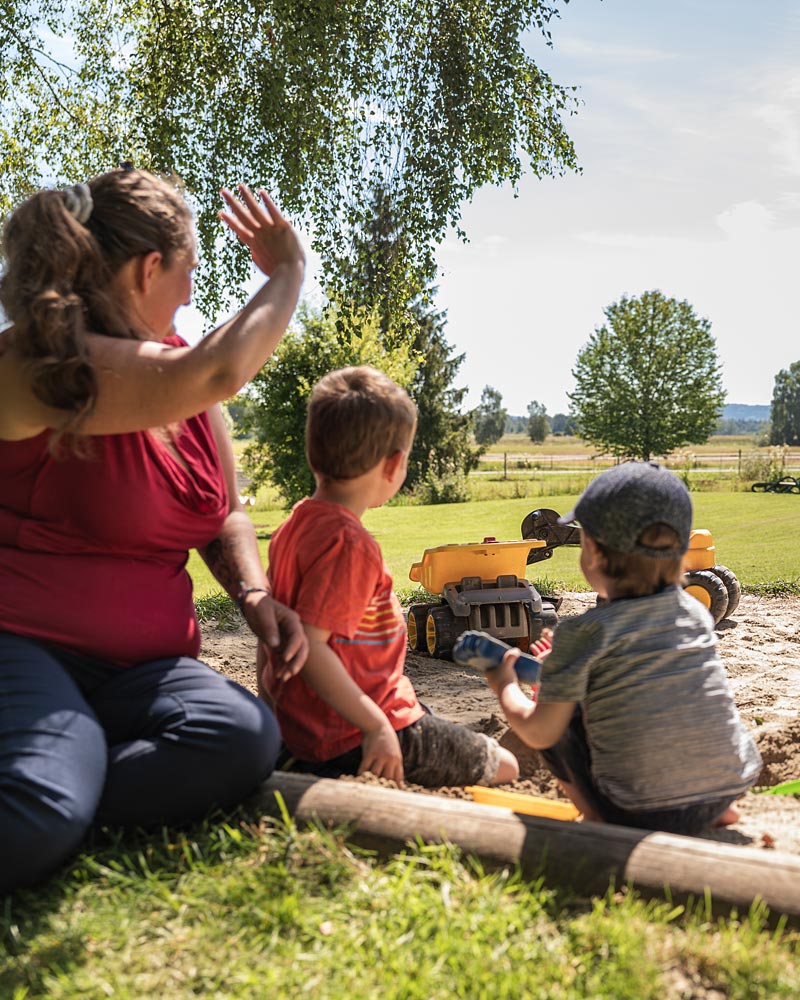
<point>380,283</point>
<point>563,423</point>
<point>444,431</point>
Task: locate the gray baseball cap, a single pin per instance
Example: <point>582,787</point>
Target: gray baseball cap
<point>617,506</point>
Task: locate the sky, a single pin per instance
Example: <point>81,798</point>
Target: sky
<point>689,141</point>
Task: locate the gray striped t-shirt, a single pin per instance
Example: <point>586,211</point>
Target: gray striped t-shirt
<point>659,713</point>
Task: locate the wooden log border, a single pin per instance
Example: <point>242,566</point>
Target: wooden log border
<point>583,857</point>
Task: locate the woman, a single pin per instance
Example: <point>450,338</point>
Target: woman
<point>114,462</point>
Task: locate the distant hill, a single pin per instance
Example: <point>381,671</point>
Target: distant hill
<point>745,411</point>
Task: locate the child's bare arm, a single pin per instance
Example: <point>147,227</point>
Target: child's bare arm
<point>326,676</point>
<point>538,725</point>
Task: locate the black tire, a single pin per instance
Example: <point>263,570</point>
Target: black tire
<point>709,589</point>
<point>417,616</point>
<point>732,585</point>
<point>442,629</point>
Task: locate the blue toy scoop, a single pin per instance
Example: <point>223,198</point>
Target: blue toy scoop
<point>481,651</point>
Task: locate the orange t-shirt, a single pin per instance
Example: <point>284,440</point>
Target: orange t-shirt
<point>326,565</point>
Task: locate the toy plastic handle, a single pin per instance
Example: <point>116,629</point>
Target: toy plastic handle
<point>482,651</point>
<point>528,668</point>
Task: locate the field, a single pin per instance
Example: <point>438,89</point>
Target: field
<point>752,532</point>
<point>750,529</point>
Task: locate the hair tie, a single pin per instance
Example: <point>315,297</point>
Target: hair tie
<point>78,200</point>
<point>127,166</point>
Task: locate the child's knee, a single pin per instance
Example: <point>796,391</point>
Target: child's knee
<point>507,768</point>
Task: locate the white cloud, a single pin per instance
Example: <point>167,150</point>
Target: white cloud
<point>748,220</point>
<point>581,48</point>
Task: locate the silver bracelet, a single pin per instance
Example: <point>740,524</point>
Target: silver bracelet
<point>249,590</point>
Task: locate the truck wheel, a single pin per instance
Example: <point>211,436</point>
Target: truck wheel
<point>548,618</point>
<point>417,617</point>
<point>709,589</point>
<point>732,585</point>
<point>442,629</point>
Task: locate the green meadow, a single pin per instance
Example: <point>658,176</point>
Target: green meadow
<point>754,535</point>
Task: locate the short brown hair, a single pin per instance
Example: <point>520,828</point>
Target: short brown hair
<point>637,575</point>
<point>356,417</point>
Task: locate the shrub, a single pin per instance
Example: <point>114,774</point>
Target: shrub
<point>760,466</point>
<point>447,487</point>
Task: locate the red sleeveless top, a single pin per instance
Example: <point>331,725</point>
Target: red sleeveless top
<point>93,551</point>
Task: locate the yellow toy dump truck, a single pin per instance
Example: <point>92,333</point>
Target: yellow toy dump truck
<point>715,586</point>
<point>482,586</point>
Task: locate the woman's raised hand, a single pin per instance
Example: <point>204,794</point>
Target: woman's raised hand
<point>261,227</point>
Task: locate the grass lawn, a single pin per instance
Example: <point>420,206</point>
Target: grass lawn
<point>754,535</point>
<point>246,909</point>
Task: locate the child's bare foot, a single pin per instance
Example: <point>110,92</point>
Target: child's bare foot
<point>729,817</point>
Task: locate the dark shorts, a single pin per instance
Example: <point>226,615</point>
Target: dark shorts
<point>435,753</point>
<point>570,760</point>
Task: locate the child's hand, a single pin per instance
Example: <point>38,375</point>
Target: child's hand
<point>500,677</point>
<point>380,754</point>
<point>541,648</point>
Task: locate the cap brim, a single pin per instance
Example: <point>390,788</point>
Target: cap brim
<point>567,519</point>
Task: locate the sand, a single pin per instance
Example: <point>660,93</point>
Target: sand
<point>759,646</point>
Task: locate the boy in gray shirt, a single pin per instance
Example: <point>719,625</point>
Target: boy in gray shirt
<point>635,716</point>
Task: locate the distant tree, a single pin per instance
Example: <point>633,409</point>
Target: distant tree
<point>786,406</point>
<point>562,423</point>
<point>515,424</point>
<point>538,424</point>
<point>648,381</point>
<point>730,426</point>
<point>278,395</point>
<point>490,417</point>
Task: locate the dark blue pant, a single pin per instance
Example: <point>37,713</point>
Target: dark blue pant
<point>82,742</point>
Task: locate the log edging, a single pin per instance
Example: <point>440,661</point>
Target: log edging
<point>584,857</point>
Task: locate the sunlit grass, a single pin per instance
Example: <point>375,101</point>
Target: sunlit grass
<point>249,908</point>
<point>753,534</point>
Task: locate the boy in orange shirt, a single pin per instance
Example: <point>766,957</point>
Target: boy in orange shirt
<point>352,709</point>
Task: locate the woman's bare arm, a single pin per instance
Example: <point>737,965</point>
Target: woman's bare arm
<point>148,384</point>
<point>234,559</point>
